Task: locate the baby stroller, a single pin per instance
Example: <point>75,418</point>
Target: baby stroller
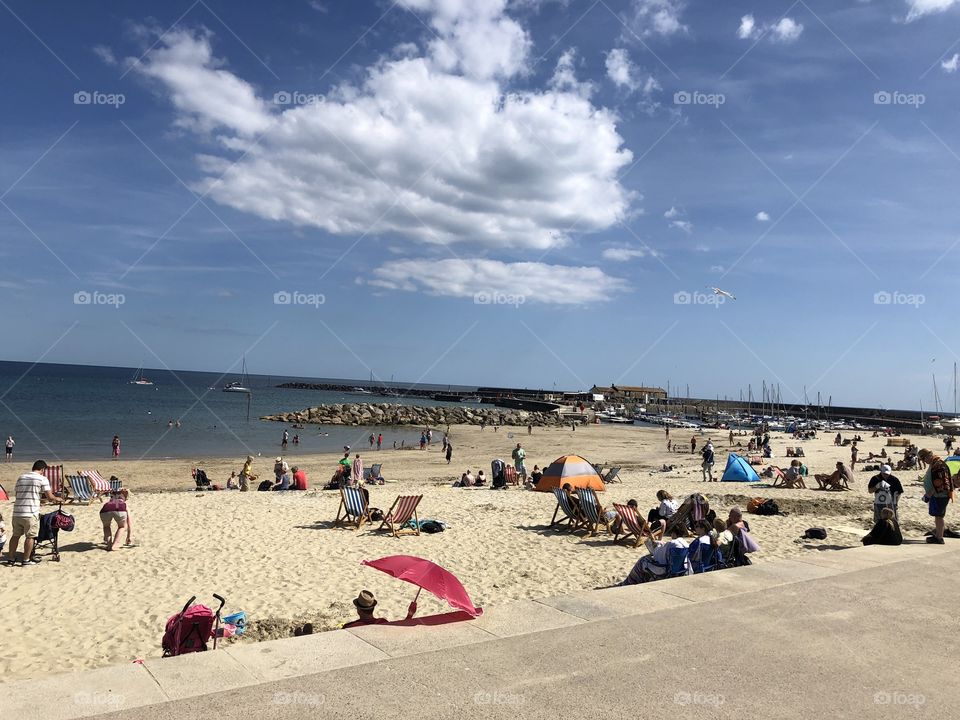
<point>50,526</point>
<point>189,630</point>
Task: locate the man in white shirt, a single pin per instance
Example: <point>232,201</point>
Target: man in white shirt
<point>30,488</point>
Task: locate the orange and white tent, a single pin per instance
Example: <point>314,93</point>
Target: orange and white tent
<point>571,469</point>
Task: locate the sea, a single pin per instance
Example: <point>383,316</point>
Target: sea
<point>72,412</point>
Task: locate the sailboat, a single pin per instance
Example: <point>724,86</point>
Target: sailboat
<point>139,379</point>
<point>239,386</point>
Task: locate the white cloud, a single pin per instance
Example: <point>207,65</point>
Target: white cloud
<point>627,253</point>
<point>657,17</point>
<point>785,30</point>
<point>717,269</point>
<point>702,248</point>
<point>105,54</point>
<point>684,225</point>
<point>951,65</point>
<point>565,78</point>
<point>430,148</point>
<point>319,6</point>
<point>619,69</point>
<point>465,278</point>
<point>673,212</point>
<point>920,8</point>
<point>763,216</point>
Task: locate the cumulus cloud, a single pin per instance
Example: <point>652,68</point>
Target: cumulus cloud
<point>433,148</point>
<point>678,221</point>
<point>684,225</point>
<point>565,77</point>
<point>919,8</point>
<point>657,17</point>
<point>105,54</point>
<point>626,253</point>
<point>673,212</point>
<point>950,65</point>
<point>763,216</point>
<point>619,69</point>
<point>785,30</point>
<point>466,278</point>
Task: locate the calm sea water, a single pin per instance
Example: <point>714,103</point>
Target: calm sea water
<point>73,412</point>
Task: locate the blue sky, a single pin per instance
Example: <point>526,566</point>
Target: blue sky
<point>514,193</point>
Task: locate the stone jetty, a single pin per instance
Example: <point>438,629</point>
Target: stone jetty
<point>387,414</point>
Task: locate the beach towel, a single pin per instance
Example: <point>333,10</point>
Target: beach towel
<point>749,544</point>
<point>3,494</point>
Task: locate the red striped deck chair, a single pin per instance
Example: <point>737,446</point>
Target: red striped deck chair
<point>510,475</point>
<point>79,490</point>
<point>403,510</point>
<point>571,512</point>
<point>353,507</point>
<point>54,475</point>
<point>98,484</point>
<point>630,525</point>
<point>593,513</point>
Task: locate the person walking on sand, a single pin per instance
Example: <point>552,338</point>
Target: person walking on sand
<point>29,489</point>
<point>379,440</point>
<point>707,465</point>
<point>666,429</point>
<point>693,444</point>
<point>853,455</point>
<point>449,451</point>
<point>10,444</point>
<point>938,493</point>
<point>115,445</point>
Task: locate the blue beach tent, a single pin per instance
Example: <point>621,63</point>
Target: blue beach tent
<point>739,470</point>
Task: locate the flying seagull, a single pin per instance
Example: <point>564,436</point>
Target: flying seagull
<point>718,291</point>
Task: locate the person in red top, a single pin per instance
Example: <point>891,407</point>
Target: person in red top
<point>115,509</point>
<point>365,603</point>
<point>299,479</point>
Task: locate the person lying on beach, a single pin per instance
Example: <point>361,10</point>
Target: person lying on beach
<point>885,531</point>
<point>115,510</point>
<point>365,603</point>
<point>657,563</point>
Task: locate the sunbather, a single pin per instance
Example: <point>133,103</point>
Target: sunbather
<point>792,477</point>
<point>839,479</point>
<point>664,511</point>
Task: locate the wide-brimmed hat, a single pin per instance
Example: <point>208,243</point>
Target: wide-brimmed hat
<point>279,459</point>
<point>365,600</point>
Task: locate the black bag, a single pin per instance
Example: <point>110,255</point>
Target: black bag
<point>431,526</point>
<point>768,507</point>
<point>815,534</point>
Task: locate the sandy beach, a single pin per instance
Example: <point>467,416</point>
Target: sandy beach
<point>276,557</point>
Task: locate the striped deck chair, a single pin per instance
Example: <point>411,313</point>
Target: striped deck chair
<point>79,490</point>
<point>510,475</point>
<point>372,474</point>
<point>54,475</point>
<point>612,475</point>
<point>403,510</point>
<point>593,513</point>
<point>571,513</point>
<point>692,509</point>
<point>630,525</point>
<point>97,482</point>
<point>353,507</point>
<point>116,484</point>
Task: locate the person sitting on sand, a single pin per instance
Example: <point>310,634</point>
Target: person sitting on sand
<point>365,603</point>
<point>886,531</point>
<point>284,483</point>
<point>115,510</point>
<point>657,563</point>
<point>534,478</point>
<point>233,482</point>
<point>480,480</point>
<point>299,479</point>
<point>466,480</point>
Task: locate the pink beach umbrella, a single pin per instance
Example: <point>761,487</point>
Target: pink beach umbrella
<point>426,576</point>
